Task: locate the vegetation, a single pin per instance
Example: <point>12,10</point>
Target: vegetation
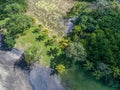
<point>37,49</point>
<point>60,68</point>
<point>81,80</point>
<point>15,21</point>
<point>92,48</point>
<point>98,31</point>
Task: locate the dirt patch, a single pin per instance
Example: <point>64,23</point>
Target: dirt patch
<point>50,13</point>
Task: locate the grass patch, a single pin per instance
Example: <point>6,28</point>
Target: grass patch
<point>3,22</point>
<point>28,39</point>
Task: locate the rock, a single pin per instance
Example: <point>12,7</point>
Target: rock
<point>42,80</point>
<point>15,78</point>
<point>11,79</point>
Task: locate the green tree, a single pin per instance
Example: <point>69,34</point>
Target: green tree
<point>98,74</point>
<point>76,52</point>
<point>116,72</point>
<point>32,55</point>
<point>53,51</point>
<point>49,42</point>
<point>88,65</point>
<point>40,37</point>
<point>18,23</point>
<point>9,41</point>
<point>100,37</point>
<point>13,9</point>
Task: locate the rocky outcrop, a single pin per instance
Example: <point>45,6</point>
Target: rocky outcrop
<point>0,41</point>
<point>14,74</point>
<point>42,80</point>
<point>10,78</point>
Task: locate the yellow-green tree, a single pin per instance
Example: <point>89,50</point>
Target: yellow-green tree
<point>60,68</point>
<point>63,43</point>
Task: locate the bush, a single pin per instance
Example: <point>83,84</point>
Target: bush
<point>32,55</point>
<point>60,68</point>
<point>18,23</point>
<point>13,8</point>
<point>9,41</point>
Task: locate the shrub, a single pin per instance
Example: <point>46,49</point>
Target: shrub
<point>60,68</point>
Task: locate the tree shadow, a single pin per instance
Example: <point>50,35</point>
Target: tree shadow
<point>3,46</point>
<point>36,30</point>
<point>22,64</point>
<point>40,38</point>
<point>61,59</point>
<point>53,51</point>
<point>53,72</point>
<point>49,42</point>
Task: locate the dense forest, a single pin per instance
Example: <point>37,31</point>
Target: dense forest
<point>93,45</point>
<point>97,31</point>
<point>13,19</point>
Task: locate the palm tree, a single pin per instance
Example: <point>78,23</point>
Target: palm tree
<point>49,42</point>
<point>116,72</point>
<point>40,38</point>
<point>88,65</point>
<point>98,74</point>
<point>53,51</point>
